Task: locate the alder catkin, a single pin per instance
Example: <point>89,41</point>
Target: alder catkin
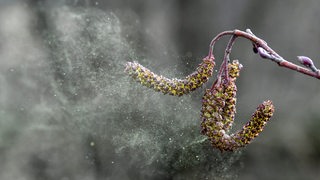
<point>218,113</point>
<point>256,124</point>
<point>230,91</point>
<point>219,103</point>
<point>175,87</point>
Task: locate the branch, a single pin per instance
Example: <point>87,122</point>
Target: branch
<point>261,47</point>
<point>223,71</point>
<point>219,102</point>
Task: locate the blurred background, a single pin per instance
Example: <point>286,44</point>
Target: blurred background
<point>68,111</point>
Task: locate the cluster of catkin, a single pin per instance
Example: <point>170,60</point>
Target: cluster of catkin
<point>218,103</point>
<point>218,113</point>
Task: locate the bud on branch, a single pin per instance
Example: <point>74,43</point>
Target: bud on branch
<point>219,103</point>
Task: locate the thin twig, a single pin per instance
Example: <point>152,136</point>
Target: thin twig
<point>272,55</point>
<point>215,39</point>
<point>223,71</point>
<point>227,52</point>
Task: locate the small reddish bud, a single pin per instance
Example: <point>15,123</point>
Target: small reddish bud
<point>306,61</point>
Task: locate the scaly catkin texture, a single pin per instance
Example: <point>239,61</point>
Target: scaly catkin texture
<point>175,87</point>
<point>219,103</point>
<point>230,92</point>
<point>218,112</point>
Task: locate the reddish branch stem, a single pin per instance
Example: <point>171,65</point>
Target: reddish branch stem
<point>223,71</point>
<point>272,55</point>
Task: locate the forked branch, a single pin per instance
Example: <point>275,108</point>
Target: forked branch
<point>219,102</point>
<point>261,47</point>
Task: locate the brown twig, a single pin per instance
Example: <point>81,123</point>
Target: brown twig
<point>264,51</point>
<point>223,71</point>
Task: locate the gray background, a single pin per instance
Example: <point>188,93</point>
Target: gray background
<point>68,111</point>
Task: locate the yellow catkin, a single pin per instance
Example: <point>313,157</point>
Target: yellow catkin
<point>256,124</point>
<point>220,101</point>
<point>230,92</point>
<point>175,87</point>
<point>218,112</point>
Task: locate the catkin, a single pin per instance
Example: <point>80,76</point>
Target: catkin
<point>230,92</point>
<point>175,87</point>
<point>218,113</point>
<point>256,124</point>
<point>219,103</point>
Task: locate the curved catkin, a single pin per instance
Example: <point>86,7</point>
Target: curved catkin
<point>218,112</point>
<point>175,87</point>
<point>250,130</point>
<point>256,124</point>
